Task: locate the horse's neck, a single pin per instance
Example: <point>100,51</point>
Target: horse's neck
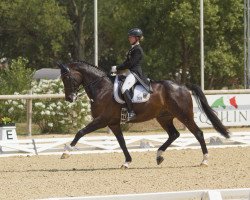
<point>96,84</point>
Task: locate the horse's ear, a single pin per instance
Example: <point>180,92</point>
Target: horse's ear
<point>64,68</point>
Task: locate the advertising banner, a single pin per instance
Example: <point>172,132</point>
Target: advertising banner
<point>232,110</point>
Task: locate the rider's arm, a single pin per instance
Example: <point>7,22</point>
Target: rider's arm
<point>136,57</point>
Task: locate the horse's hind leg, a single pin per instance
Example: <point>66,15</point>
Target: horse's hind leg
<point>167,125</point>
<point>192,126</point>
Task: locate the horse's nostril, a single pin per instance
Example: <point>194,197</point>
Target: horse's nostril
<point>69,99</point>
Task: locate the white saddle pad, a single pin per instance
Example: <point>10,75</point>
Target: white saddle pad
<point>140,94</point>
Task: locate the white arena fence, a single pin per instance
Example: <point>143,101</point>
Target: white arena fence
<point>219,194</point>
<point>109,144</point>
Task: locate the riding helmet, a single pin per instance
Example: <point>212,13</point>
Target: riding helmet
<point>135,32</point>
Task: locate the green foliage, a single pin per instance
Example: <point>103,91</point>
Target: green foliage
<point>15,109</point>
<point>34,29</point>
<point>5,120</point>
<point>52,116</point>
<point>59,115</point>
<point>16,78</point>
<point>48,30</point>
<point>172,39</point>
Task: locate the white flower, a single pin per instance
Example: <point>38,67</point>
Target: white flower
<point>83,110</point>
<point>50,124</point>
<point>11,109</point>
<point>47,112</point>
<point>15,103</point>
<point>62,122</point>
<point>20,106</point>
<point>71,105</point>
<point>39,104</point>
<point>53,105</point>
<point>53,113</point>
<point>42,113</point>
<point>88,118</point>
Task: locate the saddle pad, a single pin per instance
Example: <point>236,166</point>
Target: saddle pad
<point>140,94</point>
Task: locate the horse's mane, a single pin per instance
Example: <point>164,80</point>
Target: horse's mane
<point>95,69</point>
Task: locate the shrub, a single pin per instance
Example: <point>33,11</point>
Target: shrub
<point>13,80</point>
<point>16,78</point>
<point>54,115</point>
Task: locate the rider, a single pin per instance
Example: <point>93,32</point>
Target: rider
<point>132,67</point>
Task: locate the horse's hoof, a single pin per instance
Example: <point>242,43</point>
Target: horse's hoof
<point>204,164</point>
<point>65,156</point>
<point>124,167</point>
<point>159,160</point>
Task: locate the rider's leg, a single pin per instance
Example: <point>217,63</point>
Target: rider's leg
<point>128,83</point>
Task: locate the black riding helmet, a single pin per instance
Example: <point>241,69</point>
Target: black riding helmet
<point>135,32</point>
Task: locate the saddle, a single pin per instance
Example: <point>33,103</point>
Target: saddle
<point>138,93</point>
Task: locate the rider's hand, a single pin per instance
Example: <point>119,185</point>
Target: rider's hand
<point>113,69</point>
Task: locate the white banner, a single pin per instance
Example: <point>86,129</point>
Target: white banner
<point>232,110</point>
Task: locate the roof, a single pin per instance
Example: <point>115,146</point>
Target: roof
<point>47,73</point>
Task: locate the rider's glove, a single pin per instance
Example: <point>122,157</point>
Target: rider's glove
<point>113,69</point>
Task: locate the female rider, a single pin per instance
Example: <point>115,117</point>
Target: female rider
<point>132,67</point>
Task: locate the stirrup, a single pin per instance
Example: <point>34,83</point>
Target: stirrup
<point>131,115</point>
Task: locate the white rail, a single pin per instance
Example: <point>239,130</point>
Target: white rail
<point>218,194</point>
<point>109,144</point>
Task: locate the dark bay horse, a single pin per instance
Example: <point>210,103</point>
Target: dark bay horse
<point>168,101</point>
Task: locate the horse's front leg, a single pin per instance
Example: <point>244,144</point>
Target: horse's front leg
<point>96,124</point>
<point>116,129</point>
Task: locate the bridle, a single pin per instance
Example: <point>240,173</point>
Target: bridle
<point>74,84</point>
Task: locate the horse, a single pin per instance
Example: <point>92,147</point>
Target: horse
<point>169,100</point>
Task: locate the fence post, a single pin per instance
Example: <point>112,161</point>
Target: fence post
<point>29,115</point>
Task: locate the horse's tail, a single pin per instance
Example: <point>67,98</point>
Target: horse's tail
<point>203,104</point>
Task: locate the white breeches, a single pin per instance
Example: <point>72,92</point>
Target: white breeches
<point>129,82</point>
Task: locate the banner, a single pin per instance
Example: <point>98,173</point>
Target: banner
<point>232,110</point>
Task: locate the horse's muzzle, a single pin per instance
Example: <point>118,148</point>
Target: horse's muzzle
<point>71,98</point>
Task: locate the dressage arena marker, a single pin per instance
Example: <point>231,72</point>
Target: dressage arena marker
<point>109,144</point>
<point>223,194</point>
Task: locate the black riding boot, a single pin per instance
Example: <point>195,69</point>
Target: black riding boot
<point>131,113</point>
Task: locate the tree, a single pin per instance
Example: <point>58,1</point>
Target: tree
<point>172,38</point>
<point>81,14</point>
<point>33,29</point>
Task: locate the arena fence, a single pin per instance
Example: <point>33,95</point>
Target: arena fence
<point>109,144</point>
<point>30,97</point>
<point>219,194</point>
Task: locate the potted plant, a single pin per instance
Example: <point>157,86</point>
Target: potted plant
<point>6,121</point>
<point>7,132</point>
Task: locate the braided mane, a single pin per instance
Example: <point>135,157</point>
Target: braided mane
<point>89,64</point>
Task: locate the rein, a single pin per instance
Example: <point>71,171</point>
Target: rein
<point>94,82</point>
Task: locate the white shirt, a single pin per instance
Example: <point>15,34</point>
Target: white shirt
<point>135,44</point>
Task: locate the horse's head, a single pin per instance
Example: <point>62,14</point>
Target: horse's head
<point>71,80</point>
